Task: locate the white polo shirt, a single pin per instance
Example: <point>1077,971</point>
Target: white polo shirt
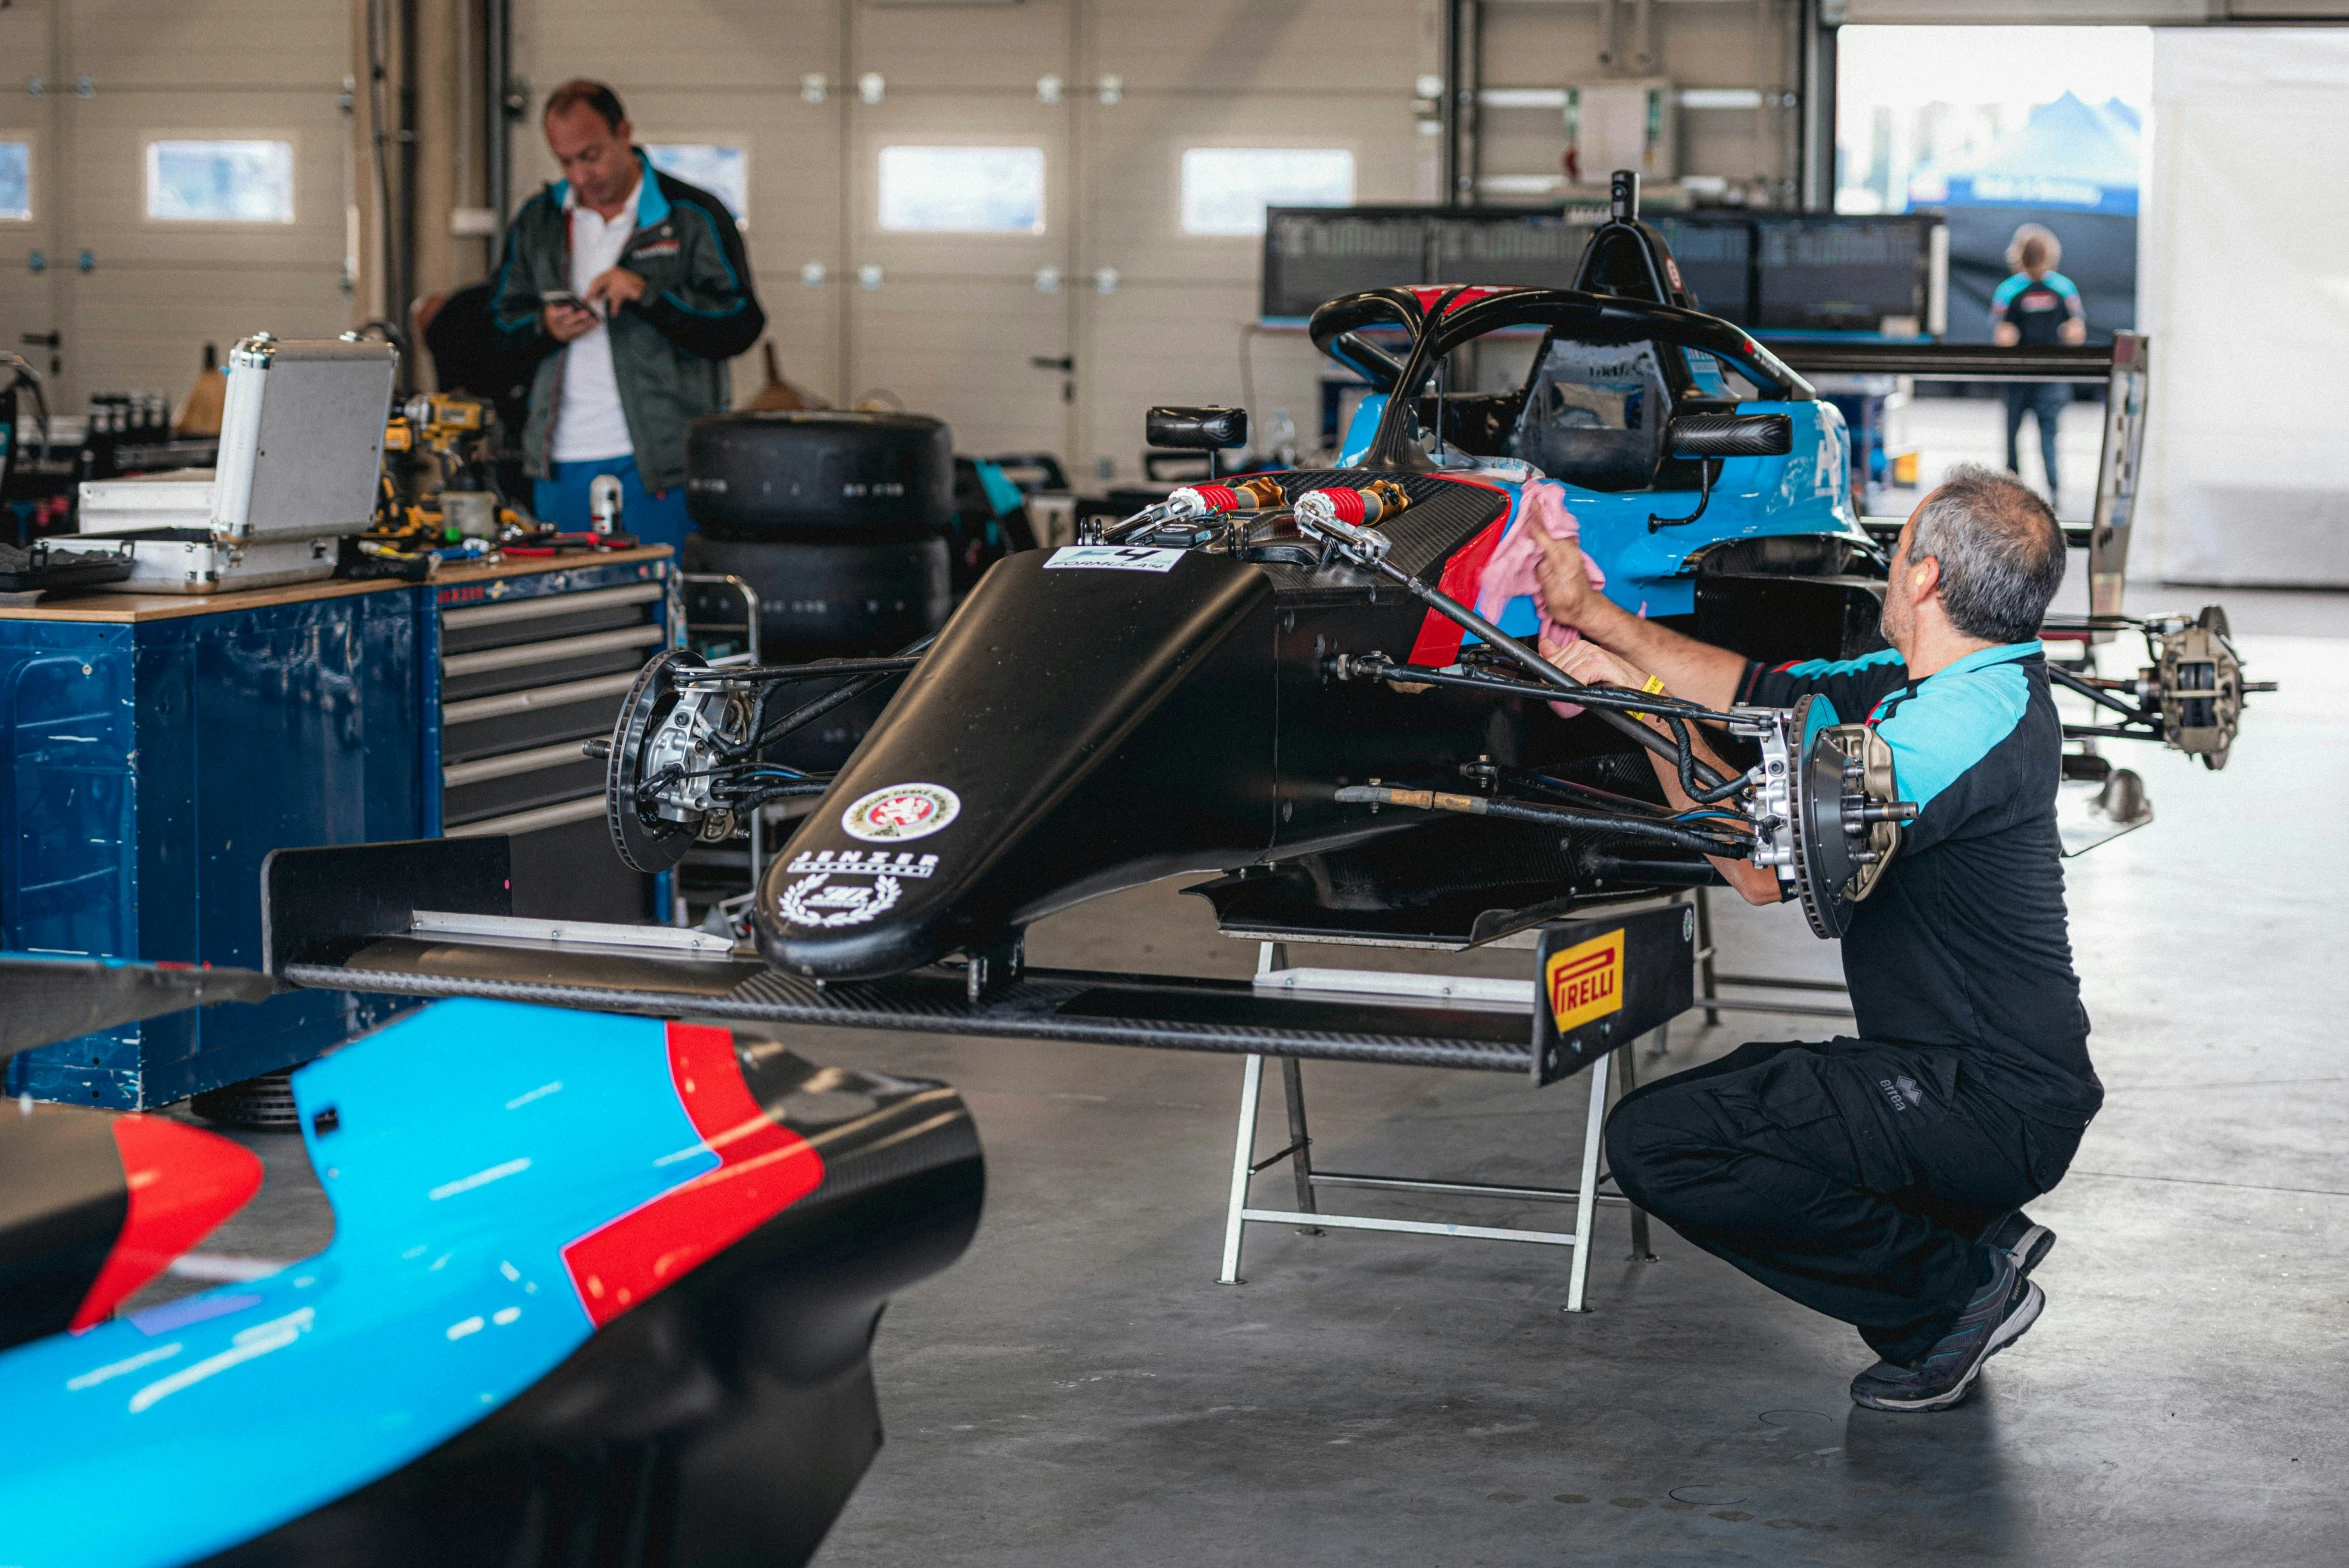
<point>589,425</point>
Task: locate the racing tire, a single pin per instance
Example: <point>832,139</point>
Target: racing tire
<point>827,597</point>
<point>758,473</point>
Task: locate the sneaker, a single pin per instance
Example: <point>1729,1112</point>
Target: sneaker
<point>1943,1376</point>
<point>2021,1238</point>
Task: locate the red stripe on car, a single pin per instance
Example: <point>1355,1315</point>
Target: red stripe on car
<point>1438,643</point>
<point>763,1169</point>
<point>182,1181</point>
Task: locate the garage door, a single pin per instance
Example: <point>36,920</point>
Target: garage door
<point>178,194</point>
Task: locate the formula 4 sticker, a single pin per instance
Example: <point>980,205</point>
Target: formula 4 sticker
<point>1112,558</point>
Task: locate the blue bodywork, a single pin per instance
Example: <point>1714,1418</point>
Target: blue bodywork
<point>1806,492</point>
<point>165,1436</point>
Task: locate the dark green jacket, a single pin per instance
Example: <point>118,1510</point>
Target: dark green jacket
<point>669,348</point>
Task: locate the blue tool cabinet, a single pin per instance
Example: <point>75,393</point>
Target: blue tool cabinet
<point>151,765</point>
<point>158,748</point>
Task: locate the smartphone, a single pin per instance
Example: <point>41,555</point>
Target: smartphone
<point>566,297</point>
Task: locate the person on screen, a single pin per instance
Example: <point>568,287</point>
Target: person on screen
<point>2034,308</point>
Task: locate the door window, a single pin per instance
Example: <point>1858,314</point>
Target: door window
<point>220,182</point>
<point>722,171</point>
<point>16,181</point>
<point>962,190</point>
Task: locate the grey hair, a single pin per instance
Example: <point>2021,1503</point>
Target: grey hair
<point>2000,548</point>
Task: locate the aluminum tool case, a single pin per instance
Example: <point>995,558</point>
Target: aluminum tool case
<point>192,560</point>
<point>301,453</point>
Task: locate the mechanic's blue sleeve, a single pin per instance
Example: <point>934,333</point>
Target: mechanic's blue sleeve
<point>1942,731</point>
<point>1855,686</point>
<point>2005,294</point>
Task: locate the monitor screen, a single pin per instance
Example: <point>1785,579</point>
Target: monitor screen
<point>1715,257</point>
<point>1531,249</point>
<point>1836,274</point>
<point>1313,255</point>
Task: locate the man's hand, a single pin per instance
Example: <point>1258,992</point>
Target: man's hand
<point>565,323</point>
<point>615,288</point>
<point>1593,665</point>
<point>1562,584</point>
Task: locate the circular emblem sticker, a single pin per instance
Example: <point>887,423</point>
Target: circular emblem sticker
<point>900,812</point>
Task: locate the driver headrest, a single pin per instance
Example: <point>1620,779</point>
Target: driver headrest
<point>1629,259</point>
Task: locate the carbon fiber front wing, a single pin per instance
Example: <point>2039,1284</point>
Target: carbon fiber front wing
<point>430,918</point>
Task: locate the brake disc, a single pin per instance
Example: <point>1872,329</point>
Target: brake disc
<point>1845,815</point>
<point>645,839</point>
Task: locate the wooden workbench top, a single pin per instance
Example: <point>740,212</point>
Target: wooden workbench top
<point>125,608</point>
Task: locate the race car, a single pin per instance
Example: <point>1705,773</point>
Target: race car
<point>1308,682</point>
<point>600,1290</point>
<point>1320,689</point>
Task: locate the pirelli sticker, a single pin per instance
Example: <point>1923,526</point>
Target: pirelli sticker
<point>1604,983</point>
<point>1584,983</point>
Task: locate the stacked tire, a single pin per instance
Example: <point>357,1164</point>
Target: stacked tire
<point>838,522</point>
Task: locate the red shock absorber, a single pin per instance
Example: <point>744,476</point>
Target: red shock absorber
<point>1241,495</point>
<point>1377,502</point>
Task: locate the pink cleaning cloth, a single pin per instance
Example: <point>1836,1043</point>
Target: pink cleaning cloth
<point>1511,573</point>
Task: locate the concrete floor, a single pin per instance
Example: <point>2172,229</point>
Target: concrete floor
<point>1078,1390</point>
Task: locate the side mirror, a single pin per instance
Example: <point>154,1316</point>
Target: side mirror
<point>1730,435</point>
<point>1198,429</point>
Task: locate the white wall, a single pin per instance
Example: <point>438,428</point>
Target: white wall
<point>2246,294</point>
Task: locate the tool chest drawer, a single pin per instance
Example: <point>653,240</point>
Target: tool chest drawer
<point>529,666</point>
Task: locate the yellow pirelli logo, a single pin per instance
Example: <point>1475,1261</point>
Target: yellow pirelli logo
<point>1585,981</point>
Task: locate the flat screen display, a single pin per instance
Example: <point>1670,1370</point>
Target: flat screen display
<point>1818,273</point>
<point>1715,257</point>
<point>1766,272</point>
<point>1312,255</point>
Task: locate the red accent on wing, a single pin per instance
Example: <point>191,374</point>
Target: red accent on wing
<point>762,1170</point>
<point>183,1181</point>
<point>1439,637</point>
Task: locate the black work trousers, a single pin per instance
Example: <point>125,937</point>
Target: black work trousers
<point>1851,1176</point>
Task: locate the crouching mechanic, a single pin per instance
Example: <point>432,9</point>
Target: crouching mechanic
<point>1880,1180</point>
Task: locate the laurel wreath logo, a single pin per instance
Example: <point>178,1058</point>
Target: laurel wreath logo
<point>808,903</point>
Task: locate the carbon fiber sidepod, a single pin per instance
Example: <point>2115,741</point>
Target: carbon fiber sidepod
<point>1049,748</point>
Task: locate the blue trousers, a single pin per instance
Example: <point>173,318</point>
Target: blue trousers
<point>654,519</point>
<point>2044,401</point>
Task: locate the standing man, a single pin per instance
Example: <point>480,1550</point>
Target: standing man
<point>2036,307</point>
<point>1880,1180</point>
<point>631,291</point>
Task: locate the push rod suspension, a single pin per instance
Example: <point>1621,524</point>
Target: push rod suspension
<point>879,670</point>
<point>1548,816</point>
<point>2096,694</point>
<point>1541,669</point>
<point>1377,667</point>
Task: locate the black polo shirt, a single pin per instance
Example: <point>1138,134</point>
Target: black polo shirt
<point>1964,940</point>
